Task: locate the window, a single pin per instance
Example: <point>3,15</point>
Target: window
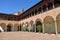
<point>50,5</point>
<point>36,11</point>
<point>39,10</point>
<point>44,8</point>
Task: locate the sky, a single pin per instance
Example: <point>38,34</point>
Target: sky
<point>12,6</point>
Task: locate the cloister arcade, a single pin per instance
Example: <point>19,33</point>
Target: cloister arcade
<point>49,25</point>
<point>44,19</point>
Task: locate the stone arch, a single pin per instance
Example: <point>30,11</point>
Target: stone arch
<point>58,23</point>
<point>3,25</point>
<point>16,27</point>
<point>10,27</point>
<point>49,24</point>
<point>38,25</point>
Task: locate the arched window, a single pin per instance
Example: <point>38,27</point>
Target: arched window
<point>39,10</point>
<point>32,13</point>
<point>44,8</point>
<point>50,5</point>
<point>57,3</point>
<point>35,11</point>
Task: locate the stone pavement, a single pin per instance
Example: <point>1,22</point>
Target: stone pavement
<point>28,36</point>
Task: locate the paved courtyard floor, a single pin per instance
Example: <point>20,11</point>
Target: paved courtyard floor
<point>27,36</point>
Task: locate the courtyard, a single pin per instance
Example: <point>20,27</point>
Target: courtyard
<point>28,36</point>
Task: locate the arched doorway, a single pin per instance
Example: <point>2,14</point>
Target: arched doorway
<point>49,24</point>
<point>38,26</point>
<point>58,23</point>
<point>8,28</point>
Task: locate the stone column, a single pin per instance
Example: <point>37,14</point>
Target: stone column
<point>43,27</point>
<point>46,7</point>
<point>53,4</point>
<point>6,28</point>
<point>29,27</point>
<point>22,28</point>
<point>12,28</point>
<point>35,27</point>
<point>56,28</point>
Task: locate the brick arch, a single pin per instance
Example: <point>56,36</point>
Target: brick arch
<point>16,27</point>
<point>31,21</point>
<point>10,24</point>
<point>58,23</point>
<point>27,24</point>
<point>49,24</point>
<point>38,19</point>
<point>3,25</point>
<point>48,17</point>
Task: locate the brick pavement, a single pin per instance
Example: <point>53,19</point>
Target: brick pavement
<point>28,36</point>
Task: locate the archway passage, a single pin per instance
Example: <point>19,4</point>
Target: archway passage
<point>49,24</point>
<point>8,28</point>
<point>38,26</point>
<point>58,23</point>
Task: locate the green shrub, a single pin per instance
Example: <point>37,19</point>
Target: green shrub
<point>39,28</point>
